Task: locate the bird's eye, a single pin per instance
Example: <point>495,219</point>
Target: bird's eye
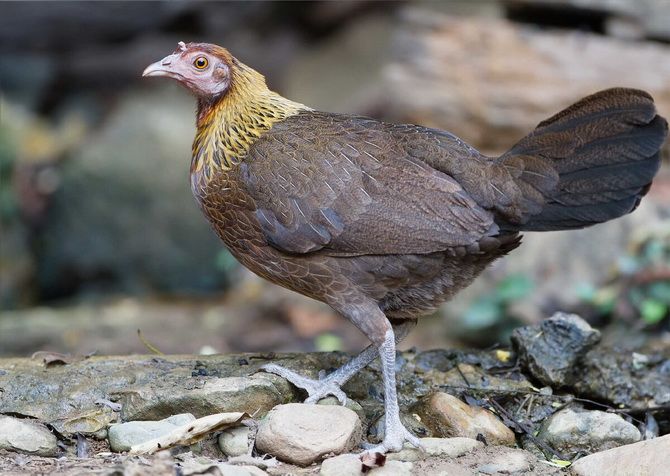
<point>200,62</point>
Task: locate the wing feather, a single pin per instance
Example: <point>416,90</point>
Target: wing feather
<point>346,185</point>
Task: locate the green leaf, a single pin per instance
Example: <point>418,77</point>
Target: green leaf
<point>628,264</point>
<point>653,251</point>
<point>660,291</point>
<point>482,313</point>
<point>653,311</point>
<point>514,287</point>
<point>327,343</point>
<point>604,299</point>
<point>585,291</point>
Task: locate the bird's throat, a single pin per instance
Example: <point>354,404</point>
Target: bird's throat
<point>228,127</point>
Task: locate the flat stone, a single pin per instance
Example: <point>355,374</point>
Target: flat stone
<point>550,350</point>
<point>645,458</point>
<point>224,469</point>
<point>447,416</point>
<point>573,432</point>
<point>26,436</point>
<point>443,447</point>
<point>88,422</point>
<point>123,436</point>
<point>512,461</point>
<point>302,434</point>
<point>392,468</point>
<point>235,441</point>
<point>342,465</point>
<point>255,395</point>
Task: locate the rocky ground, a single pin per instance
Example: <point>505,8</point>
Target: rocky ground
<point>86,217</point>
<point>558,401</point>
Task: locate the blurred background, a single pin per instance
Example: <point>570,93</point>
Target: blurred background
<point>99,234</point>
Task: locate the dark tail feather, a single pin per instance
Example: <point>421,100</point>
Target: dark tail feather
<point>589,163</point>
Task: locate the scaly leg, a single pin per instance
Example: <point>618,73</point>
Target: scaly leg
<point>330,384</point>
<point>395,433</point>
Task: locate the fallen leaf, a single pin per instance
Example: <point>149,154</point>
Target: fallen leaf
<point>51,359</point>
<point>189,433</point>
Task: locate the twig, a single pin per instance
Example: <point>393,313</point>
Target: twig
<point>524,429</point>
<point>152,348</point>
<point>611,409</point>
<point>625,411</point>
<point>520,426</point>
<point>460,372</point>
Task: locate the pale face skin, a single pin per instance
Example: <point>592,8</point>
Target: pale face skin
<point>201,72</point>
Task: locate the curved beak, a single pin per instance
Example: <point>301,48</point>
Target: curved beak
<point>161,68</point>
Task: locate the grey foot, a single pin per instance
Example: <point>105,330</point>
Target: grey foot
<point>394,439</point>
<point>316,389</point>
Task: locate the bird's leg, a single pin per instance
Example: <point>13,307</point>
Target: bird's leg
<point>330,384</point>
<point>395,433</point>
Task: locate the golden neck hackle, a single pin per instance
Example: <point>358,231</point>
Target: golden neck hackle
<point>227,129</point>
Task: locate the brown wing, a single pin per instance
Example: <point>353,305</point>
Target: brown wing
<point>351,186</point>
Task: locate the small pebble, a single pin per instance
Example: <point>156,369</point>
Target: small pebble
<point>572,432</point>
<point>447,416</point>
<point>302,434</point>
<point>235,441</point>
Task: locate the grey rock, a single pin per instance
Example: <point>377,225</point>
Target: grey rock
<point>625,383</point>
<point>442,447</point>
<point>342,465</point>
<point>123,436</point>
<point>448,416</point>
<point>235,441</point>
<point>645,458</point>
<point>551,350</point>
<point>26,436</point>
<point>512,461</point>
<point>254,395</point>
<point>302,434</point>
<point>573,432</point>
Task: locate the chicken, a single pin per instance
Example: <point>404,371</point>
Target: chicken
<point>384,222</point>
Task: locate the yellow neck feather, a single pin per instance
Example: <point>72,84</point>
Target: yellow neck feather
<point>227,129</point>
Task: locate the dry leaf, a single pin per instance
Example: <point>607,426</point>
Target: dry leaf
<point>190,433</point>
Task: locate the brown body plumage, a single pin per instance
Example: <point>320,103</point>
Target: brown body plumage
<point>388,221</point>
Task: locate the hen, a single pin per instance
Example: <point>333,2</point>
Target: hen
<point>382,221</point>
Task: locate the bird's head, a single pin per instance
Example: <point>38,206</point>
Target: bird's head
<point>204,69</point>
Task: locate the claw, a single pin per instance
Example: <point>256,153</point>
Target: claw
<point>394,441</point>
<point>316,389</point>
